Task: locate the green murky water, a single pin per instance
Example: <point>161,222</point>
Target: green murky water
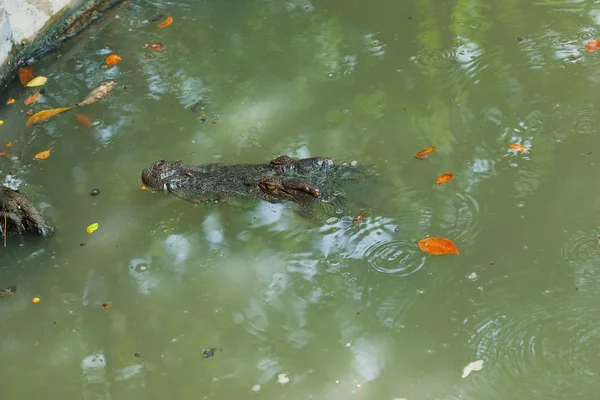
<point>344,312</point>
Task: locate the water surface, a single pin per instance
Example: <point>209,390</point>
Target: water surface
<point>343,311</point>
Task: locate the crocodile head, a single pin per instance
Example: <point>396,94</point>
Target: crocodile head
<point>162,173</point>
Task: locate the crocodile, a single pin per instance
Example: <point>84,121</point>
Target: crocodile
<point>19,216</point>
<point>304,183</point>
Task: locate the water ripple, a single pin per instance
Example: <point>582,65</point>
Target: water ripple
<point>582,248</point>
<point>541,343</point>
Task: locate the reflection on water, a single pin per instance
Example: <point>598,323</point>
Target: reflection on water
<point>343,311</point>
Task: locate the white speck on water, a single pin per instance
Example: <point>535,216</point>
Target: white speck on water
<point>354,163</point>
<point>283,378</point>
<point>255,388</point>
<point>472,276</point>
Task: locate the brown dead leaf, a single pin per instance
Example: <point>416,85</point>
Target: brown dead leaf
<point>30,112</point>
<point>10,101</point>
<point>443,178</point>
<point>25,75</point>
<point>44,115</point>
<point>438,246</point>
<point>32,99</point>
<point>42,155</point>
<point>98,93</point>
<point>359,218</point>
<point>84,120</point>
<point>156,46</point>
<point>167,21</point>
<point>422,153</point>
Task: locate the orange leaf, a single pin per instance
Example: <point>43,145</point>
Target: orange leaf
<point>32,99</point>
<point>84,120</point>
<point>437,246</point>
<point>3,154</point>
<point>518,147</point>
<point>25,75</point>
<point>8,144</point>
<point>42,155</point>
<point>157,46</point>
<point>168,21</point>
<point>420,154</point>
<point>10,101</point>
<point>592,45</point>
<point>443,178</point>
<point>113,59</point>
<point>44,115</point>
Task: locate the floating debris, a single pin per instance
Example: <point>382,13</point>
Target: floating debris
<point>95,192</point>
<point>283,378</point>
<point>474,366</point>
<point>210,352</point>
<point>9,291</point>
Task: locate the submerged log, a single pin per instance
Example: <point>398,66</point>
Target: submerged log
<point>19,216</point>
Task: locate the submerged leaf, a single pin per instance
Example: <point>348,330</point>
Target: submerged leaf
<point>32,99</point>
<point>438,246</point>
<point>112,60</point>
<point>25,75</point>
<point>422,153</point>
<point>91,228</point>
<point>443,178</point>
<point>98,93</point>
<point>84,120</point>
<point>167,21</point>
<point>10,101</point>
<point>37,81</point>
<point>518,147</point>
<point>359,218</point>
<point>44,115</point>
<point>156,46</point>
<point>42,155</point>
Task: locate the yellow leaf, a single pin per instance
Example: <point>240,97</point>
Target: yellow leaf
<point>37,81</point>
<point>92,228</point>
<point>1,122</point>
<point>42,155</point>
<point>44,115</point>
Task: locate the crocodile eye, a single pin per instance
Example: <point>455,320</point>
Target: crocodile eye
<point>271,187</point>
<point>159,164</point>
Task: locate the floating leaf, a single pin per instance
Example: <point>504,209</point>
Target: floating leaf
<point>437,246</point>
<point>156,46</point>
<point>443,178</point>
<point>10,101</point>
<point>105,304</point>
<point>518,147</point>
<point>42,155</point>
<point>3,154</point>
<point>25,75</point>
<point>98,93</point>
<point>35,300</point>
<point>91,228</point>
<point>592,45</point>
<point>167,21</point>
<point>32,99</point>
<point>113,59</point>
<point>1,122</point>
<point>84,120</point>
<point>37,81</point>
<point>422,153</point>
<point>359,218</point>
<point>8,144</point>
<point>44,115</point>
<point>474,366</point>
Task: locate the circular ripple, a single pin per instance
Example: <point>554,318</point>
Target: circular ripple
<point>541,343</point>
<point>583,248</point>
<point>395,257</point>
<point>433,58</point>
